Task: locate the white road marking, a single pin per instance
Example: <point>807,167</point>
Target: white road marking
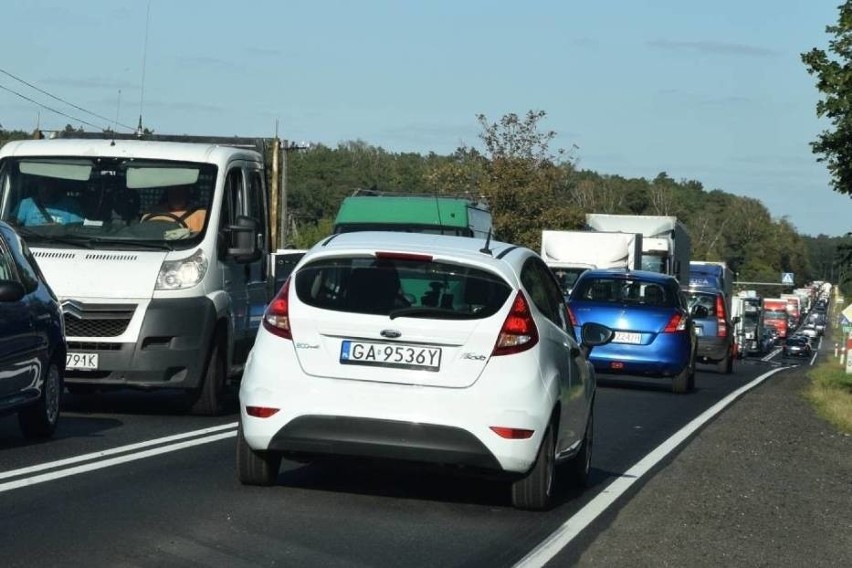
<point>114,451</point>
<point>772,354</point>
<point>561,537</point>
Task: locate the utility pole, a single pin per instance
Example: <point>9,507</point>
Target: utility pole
<point>283,225</point>
<point>282,198</point>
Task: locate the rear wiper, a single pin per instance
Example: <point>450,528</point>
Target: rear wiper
<point>443,313</point>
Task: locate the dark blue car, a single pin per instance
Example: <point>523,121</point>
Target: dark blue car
<point>32,340</point>
<point>653,328</point>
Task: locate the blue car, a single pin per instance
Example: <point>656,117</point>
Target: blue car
<point>654,332</point>
<point>32,340</point>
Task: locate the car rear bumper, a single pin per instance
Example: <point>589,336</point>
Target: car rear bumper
<point>713,349</point>
<point>668,355</point>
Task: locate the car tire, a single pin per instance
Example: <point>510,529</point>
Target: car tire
<point>681,381</point>
<point>726,365</point>
<point>254,467</point>
<point>580,466</point>
<point>208,398</point>
<point>40,419</point>
<point>534,491</point>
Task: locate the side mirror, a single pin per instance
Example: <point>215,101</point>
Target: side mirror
<point>11,291</point>
<point>593,335</point>
<point>735,320</point>
<point>242,240</point>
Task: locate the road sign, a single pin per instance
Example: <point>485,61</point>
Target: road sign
<point>787,278</point>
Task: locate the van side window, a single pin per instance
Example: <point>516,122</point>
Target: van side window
<point>232,200</point>
<point>256,197</point>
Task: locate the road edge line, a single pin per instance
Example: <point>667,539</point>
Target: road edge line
<point>571,528</point>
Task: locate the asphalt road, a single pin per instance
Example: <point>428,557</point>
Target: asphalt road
<point>131,481</point>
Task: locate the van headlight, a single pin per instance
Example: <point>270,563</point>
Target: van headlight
<point>184,273</point>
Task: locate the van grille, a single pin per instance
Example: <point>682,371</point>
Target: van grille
<point>96,320</point>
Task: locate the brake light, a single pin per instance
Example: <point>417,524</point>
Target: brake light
<point>518,332</point>
<point>571,319</point>
<point>721,318</point>
<point>404,256</point>
<point>676,323</point>
<point>276,319</point>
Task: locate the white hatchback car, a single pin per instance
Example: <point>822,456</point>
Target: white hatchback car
<point>426,349</point>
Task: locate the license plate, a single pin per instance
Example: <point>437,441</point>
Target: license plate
<point>627,337</point>
<point>81,361</point>
<point>390,355</point>
<point>699,330</point>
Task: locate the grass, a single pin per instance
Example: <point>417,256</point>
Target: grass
<point>830,392</point>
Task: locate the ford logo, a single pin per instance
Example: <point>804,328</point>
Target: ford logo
<point>391,333</point>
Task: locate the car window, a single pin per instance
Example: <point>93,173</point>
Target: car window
<point>702,299</point>
<point>625,291</point>
<point>545,292</point>
<point>384,286</point>
<point>7,262</point>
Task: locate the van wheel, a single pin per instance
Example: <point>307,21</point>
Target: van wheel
<point>208,398</point>
<point>253,467</point>
<point>39,420</point>
<point>535,491</point>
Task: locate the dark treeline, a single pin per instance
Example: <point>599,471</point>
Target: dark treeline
<point>531,187</point>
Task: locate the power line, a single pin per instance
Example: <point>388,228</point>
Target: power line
<point>26,98</point>
<point>30,85</point>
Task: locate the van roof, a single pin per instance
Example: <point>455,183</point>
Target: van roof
<point>156,150</point>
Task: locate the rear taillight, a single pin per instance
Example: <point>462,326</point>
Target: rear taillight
<point>518,332</point>
<point>571,319</point>
<point>721,318</point>
<point>276,319</point>
<point>676,323</point>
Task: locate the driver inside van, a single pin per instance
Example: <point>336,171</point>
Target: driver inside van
<point>48,205</point>
<point>177,208</point>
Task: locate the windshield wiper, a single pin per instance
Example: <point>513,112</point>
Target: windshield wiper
<point>74,240</point>
<point>132,242</point>
<point>443,313</point>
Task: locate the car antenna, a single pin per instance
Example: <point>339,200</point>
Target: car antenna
<point>485,249</point>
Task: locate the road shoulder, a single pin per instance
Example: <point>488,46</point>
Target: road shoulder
<point>768,483</point>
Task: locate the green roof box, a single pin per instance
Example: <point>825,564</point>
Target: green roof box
<point>436,214</point>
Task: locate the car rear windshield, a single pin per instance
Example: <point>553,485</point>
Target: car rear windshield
<point>401,287</point>
<point>702,299</point>
<point>624,291</point>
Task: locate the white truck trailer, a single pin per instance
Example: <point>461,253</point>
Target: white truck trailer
<point>570,253</point>
<point>666,246</point>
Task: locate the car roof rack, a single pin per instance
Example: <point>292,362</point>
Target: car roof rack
<point>258,144</point>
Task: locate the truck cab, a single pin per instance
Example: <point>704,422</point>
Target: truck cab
<point>150,299</point>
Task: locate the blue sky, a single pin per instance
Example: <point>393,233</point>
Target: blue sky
<point>712,91</point>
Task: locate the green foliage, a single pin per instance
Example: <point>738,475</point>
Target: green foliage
<point>523,182</point>
<point>307,234</point>
<point>834,81</point>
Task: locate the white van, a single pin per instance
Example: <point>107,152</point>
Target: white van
<point>151,297</point>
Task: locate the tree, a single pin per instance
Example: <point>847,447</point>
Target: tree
<point>834,81</point>
<point>527,189</point>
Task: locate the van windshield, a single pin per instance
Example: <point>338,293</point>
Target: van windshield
<point>107,200</point>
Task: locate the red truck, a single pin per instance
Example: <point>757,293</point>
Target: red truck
<point>775,315</point>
